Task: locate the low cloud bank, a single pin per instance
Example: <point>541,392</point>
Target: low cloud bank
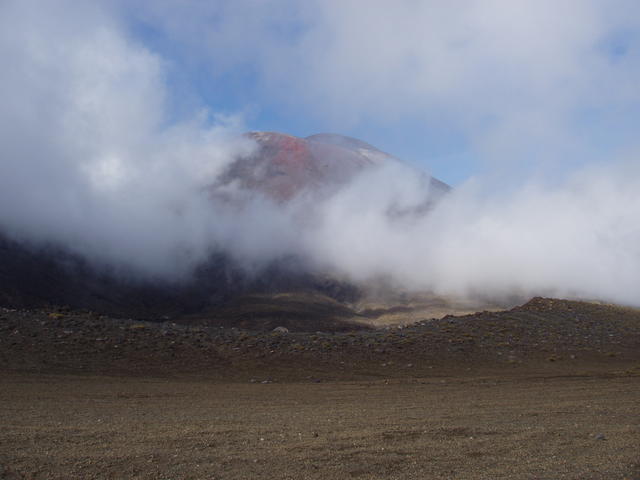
<point>92,159</point>
<point>579,238</point>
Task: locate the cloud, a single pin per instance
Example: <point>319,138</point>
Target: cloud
<point>92,157</point>
<point>511,75</point>
<point>541,87</point>
<point>577,239</point>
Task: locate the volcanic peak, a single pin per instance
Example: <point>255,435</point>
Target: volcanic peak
<point>283,166</point>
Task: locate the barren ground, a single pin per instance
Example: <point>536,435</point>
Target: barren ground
<point>546,391</point>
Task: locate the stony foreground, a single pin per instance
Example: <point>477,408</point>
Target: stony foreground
<point>540,333</point>
<point>75,427</point>
<point>544,391</point>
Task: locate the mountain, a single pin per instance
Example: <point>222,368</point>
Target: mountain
<point>281,168</point>
<point>284,166</point>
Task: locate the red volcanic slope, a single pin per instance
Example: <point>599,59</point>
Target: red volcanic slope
<point>284,166</point>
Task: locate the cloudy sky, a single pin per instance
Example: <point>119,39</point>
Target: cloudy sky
<point>454,87</point>
<point>449,85</point>
<point>116,114</point>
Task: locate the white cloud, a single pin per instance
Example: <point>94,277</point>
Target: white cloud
<point>511,74</point>
<point>579,238</point>
<point>90,157</point>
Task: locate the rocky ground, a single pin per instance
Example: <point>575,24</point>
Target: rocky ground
<point>543,331</point>
<point>447,427</point>
<point>550,389</point>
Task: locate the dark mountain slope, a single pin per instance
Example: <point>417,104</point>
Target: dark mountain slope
<point>281,168</point>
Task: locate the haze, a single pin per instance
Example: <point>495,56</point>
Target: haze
<point>117,116</point>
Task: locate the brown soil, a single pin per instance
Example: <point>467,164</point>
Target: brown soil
<point>544,391</point>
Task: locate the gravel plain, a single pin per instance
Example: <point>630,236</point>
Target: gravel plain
<point>544,391</point>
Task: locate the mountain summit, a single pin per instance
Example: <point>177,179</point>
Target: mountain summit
<point>284,166</point>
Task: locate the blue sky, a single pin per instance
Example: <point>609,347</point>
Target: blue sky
<point>440,150</point>
<point>459,90</point>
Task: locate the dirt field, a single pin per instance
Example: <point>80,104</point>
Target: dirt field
<point>64,427</point>
<point>550,390</point>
